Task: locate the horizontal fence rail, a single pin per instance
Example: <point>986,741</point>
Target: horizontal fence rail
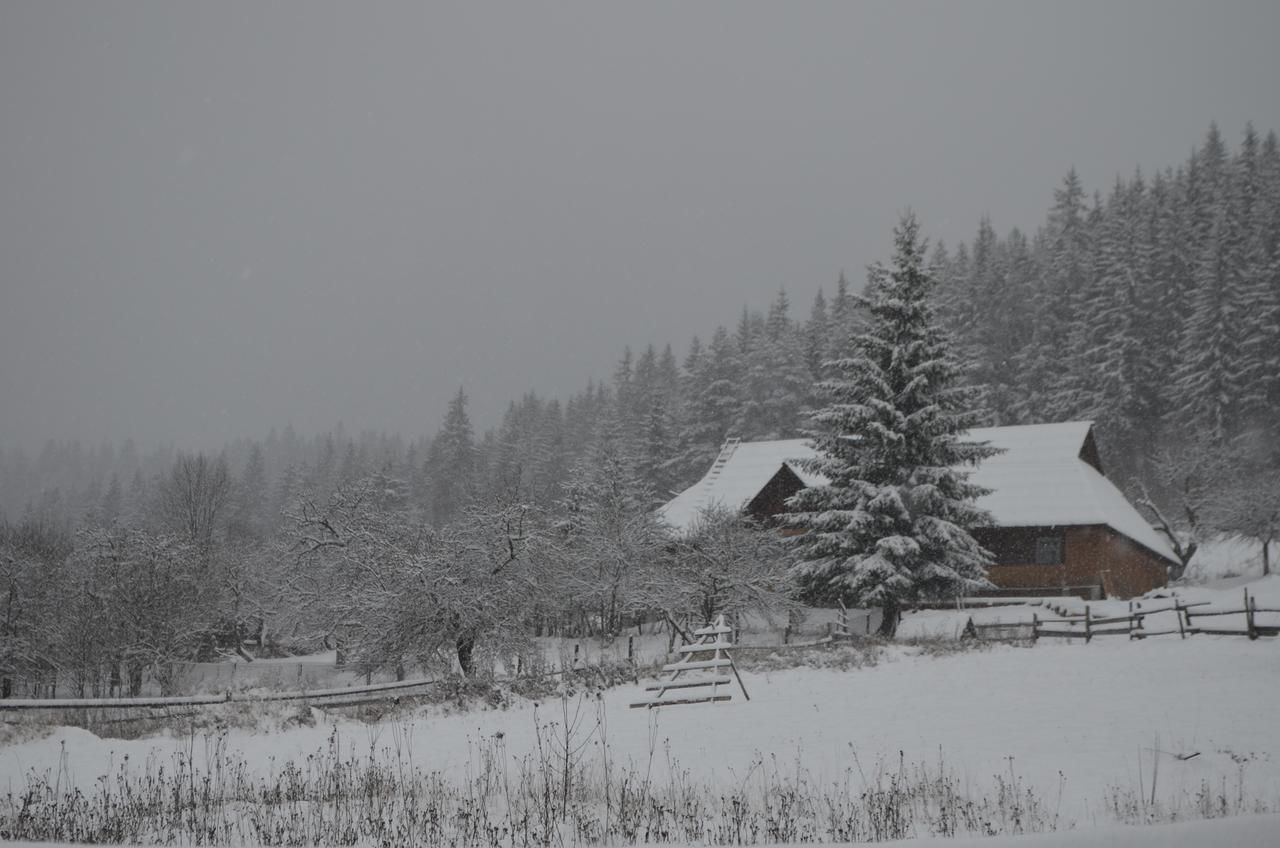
<point>205,700</point>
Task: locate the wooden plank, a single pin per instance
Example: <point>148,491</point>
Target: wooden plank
<point>1220,632</point>
<point>1139,611</point>
<point>707,647</point>
<point>1080,634</point>
<point>1094,622</point>
<point>689,684</point>
<point>713,630</point>
<point>1231,612</point>
<point>707,699</point>
<point>1258,630</point>
<point>1117,619</point>
<point>696,664</point>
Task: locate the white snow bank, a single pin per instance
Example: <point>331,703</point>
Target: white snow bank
<point>934,624</point>
<point>1239,832</point>
<point>1226,557</point>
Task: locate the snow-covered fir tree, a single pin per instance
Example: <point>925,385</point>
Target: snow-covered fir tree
<point>451,463</point>
<point>709,404</point>
<point>892,526</point>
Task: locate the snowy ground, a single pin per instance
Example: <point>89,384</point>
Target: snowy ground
<point>1077,723</point>
<point>1229,557</point>
<point>1238,832</point>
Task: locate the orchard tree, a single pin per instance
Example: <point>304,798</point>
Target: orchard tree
<point>727,564</point>
<point>891,528</point>
<point>140,600</point>
<point>1250,507</point>
<point>33,590</point>
<point>402,590</point>
<point>1185,500</point>
<point>606,535</point>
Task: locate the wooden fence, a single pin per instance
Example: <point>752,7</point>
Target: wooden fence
<point>1133,624</point>
<point>112,711</point>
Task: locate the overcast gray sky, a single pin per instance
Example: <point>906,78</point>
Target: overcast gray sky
<point>220,217</point>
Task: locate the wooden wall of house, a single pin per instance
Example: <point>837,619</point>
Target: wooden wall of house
<point>1096,560</point>
<point>1093,556</point>
<point>771,501</point>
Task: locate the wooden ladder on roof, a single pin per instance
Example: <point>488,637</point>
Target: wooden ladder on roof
<point>708,659</point>
<point>722,459</point>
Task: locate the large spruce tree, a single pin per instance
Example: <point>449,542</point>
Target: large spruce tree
<point>892,526</point>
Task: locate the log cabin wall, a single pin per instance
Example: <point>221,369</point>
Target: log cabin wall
<point>1094,561</point>
<point>1091,561</point>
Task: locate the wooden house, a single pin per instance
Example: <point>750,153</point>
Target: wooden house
<point>1061,527</point>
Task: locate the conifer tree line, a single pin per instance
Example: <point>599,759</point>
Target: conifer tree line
<point>1153,310</point>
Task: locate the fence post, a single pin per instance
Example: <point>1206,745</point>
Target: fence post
<point>1177,612</point>
<point>631,648</point>
<point>1088,625</point>
<point>1249,605</point>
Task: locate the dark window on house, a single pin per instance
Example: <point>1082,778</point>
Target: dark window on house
<point>1048,550</point>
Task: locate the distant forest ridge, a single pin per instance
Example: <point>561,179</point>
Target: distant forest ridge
<point>1152,308</point>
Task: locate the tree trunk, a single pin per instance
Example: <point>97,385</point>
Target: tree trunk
<point>136,672</point>
<point>466,645</point>
<point>890,613</point>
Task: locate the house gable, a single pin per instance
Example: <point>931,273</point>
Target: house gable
<point>772,498</point>
<point>1089,452</point>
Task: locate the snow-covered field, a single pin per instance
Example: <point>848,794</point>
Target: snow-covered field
<point>1257,831</point>
<point>1086,728</point>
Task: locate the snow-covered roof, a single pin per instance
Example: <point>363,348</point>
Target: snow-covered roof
<point>1040,480</point>
<point>737,476</point>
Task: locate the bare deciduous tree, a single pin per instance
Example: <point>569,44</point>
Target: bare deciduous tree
<point>1187,499</point>
<point>1251,503</point>
<point>401,590</point>
<point>194,495</point>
